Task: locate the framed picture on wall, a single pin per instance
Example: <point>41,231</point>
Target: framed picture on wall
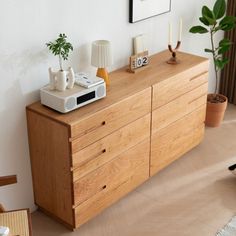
<point>143,9</point>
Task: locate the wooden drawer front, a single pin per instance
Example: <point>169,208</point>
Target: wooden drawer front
<point>110,119</point>
<point>120,176</point>
<point>170,143</point>
<point>113,174</point>
<point>179,107</point>
<point>174,87</point>
<point>102,151</point>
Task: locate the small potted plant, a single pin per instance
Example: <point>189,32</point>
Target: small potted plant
<point>214,21</point>
<point>61,79</point>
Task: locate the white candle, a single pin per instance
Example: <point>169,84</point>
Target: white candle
<point>170,33</point>
<point>180,29</point>
<point>138,44</point>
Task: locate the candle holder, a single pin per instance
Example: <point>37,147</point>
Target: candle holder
<point>173,60</point>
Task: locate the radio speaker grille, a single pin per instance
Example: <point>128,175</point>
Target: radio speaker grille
<point>70,103</point>
<point>100,91</point>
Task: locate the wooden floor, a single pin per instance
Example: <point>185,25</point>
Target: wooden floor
<point>195,196</point>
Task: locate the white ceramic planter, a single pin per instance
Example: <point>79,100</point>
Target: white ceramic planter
<point>61,80</point>
<point>71,78</point>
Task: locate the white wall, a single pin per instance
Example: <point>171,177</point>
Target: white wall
<point>25,27</point>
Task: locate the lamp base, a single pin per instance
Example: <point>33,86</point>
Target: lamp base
<point>102,73</point>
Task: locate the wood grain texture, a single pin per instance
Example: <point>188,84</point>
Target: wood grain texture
<point>170,143</point>
<point>18,222</point>
<point>176,86</point>
<point>124,85</point>
<point>104,150</point>
<point>50,163</point>
<point>110,119</point>
<point>85,160</point>
<point>179,107</point>
<point>122,175</point>
<point>112,174</point>
<point>6,180</point>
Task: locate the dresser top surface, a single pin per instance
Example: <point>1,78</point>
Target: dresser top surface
<point>125,84</point>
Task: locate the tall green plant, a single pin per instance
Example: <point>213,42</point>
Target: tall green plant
<point>214,21</point>
<point>61,48</point>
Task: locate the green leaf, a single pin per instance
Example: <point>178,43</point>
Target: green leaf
<point>227,27</point>
<point>223,49</point>
<point>208,50</point>
<point>60,47</point>
<point>225,42</point>
<point>227,23</point>
<point>228,20</point>
<point>198,29</point>
<point>204,21</point>
<point>211,21</point>
<point>208,15</point>
<point>219,8</point>
<point>220,63</point>
<point>207,12</point>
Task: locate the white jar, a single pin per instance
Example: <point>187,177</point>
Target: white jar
<point>61,80</point>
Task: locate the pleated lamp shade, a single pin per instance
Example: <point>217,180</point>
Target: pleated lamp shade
<point>101,54</point>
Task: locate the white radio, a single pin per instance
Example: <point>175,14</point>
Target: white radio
<point>71,99</point>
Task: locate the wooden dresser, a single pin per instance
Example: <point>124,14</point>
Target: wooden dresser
<point>84,161</point>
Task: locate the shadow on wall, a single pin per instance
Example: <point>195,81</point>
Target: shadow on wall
<point>18,90</point>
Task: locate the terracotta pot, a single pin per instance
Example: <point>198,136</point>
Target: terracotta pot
<point>215,111</point>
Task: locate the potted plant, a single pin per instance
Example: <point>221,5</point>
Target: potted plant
<point>216,20</point>
<point>61,79</point>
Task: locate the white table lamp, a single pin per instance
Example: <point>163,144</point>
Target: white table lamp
<point>101,58</point>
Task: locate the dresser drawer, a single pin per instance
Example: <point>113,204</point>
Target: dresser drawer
<point>110,119</point>
<point>170,143</point>
<point>116,172</point>
<point>179,107</point>
<point>104,150</point>
<point>172,88</point>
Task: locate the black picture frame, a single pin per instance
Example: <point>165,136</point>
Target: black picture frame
<point>133,19</point>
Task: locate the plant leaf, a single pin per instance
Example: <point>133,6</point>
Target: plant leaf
<point>208,15</point>
<point>198,29</point>
<point>223,49</point>
<point>225,42</point>
<point>204,21</point>
<point>220,63</point>
<point>208,50</point>
<point>219,8</point>
<point>227,23</point>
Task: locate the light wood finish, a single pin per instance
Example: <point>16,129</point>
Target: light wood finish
<point>110,119</point>
<point>120,176</point>
<point>170,143</point>
<point>49,151</point>
<point>6,180</point>
<point>179,107</point>
<point>113,174</point>
<point>18,222</point>
<point>124,85</point>
<point>102,151</point>
<point>176,86</point>
<point>93,156</point>
<point>195,195</point>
